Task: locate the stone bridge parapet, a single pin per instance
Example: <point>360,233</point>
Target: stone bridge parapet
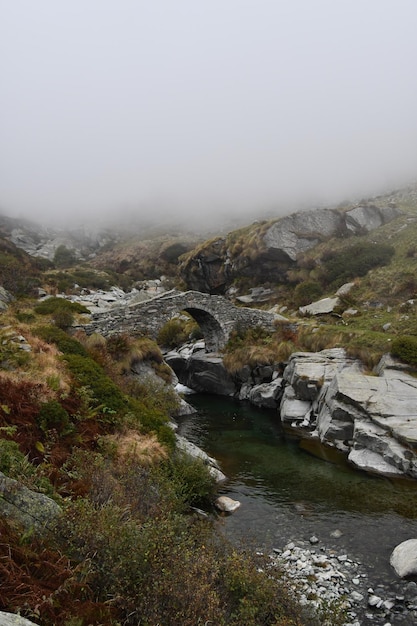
<point>216,316</point>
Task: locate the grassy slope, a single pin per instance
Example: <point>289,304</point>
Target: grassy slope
<point>76,426</point>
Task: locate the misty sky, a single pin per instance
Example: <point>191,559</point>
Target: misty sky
<point>203,106</point>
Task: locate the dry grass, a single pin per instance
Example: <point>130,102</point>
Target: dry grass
<point>44,365</point>
<point>133,446</point>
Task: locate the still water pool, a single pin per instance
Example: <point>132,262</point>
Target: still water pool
<point>289,494</point>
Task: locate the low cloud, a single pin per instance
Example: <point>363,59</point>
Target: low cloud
<point>203,111</point>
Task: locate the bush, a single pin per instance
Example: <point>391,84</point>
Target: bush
<point>405,348</point>
<point>354,261</point>
<point>189,481</point>
<point>170,571</point>
<point>52,415</point>
<point>64,343</point>
<point>306,292</point>
<point>88,373</point>
<point>64,257</point>
<point>54,305</point>
<point>172,334</point>
<point>63,318</point>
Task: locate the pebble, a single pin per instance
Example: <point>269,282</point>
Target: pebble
<point>320,577</point>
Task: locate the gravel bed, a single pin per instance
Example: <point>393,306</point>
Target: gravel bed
<point>320,576</point>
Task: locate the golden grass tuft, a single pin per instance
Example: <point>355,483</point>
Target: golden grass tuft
<point>133,446</point>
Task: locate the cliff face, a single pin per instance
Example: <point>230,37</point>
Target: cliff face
<point>267,250</point>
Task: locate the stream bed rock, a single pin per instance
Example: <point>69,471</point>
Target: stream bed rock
<point>319,575</point>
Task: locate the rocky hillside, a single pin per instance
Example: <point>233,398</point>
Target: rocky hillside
<point>281,254</point>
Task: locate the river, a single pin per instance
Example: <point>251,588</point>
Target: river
<point>288,493</point>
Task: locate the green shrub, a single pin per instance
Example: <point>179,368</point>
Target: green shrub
<point>25,317</point>
<point>106,393</point>
<point>149,418</point>
<point>307,292</point>
<point>357,260</point>
<point>54,305</point>
<point>64,343</point>
<point>52,415</point>
<point>170,571</point>
<point>63,318</point>
<point>189,480</point>
<point>64,257</point>
<point>172,334</point>
<point>405,348</point>
<point>14,464</point>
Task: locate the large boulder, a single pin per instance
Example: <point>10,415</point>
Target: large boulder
<point>404,558</point>
<point>301,231</point>
<point>266,395</point>
<point>30,509</point>
<point>201,371</point>
<point>368,217</point>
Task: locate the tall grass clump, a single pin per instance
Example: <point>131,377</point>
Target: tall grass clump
<point>405,348</point>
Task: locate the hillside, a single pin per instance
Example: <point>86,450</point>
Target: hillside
<point>90,441</point>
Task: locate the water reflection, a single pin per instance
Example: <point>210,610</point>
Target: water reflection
<point>286,493</point>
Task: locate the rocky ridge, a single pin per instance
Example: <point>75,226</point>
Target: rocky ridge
<point>272,248</point>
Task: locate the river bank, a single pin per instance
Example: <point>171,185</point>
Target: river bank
<point>288,497</point>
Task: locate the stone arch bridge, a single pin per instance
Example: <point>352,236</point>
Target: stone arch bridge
<point>216,316</point>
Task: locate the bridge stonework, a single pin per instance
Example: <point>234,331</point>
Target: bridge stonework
<point>216,316</point>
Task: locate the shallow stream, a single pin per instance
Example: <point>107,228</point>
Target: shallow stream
<point>287,494</point>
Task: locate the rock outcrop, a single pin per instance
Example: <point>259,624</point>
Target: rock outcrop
<point>327,396</point>
<point>373,419</point>
<point>272,248</point>
<point>201,371</point>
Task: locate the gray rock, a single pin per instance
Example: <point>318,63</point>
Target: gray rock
<point>369,217</point>
<point>267,395</point>
<point>301,231</point>
<point>372,462</point>
<point>203,372</point>
<point>404,558</point>
<point>321,307</point>
<point>371,418</point>
<point>11,619</point>
<point>226,504</point>
<point>345,289</point>
<point>197,453</point>
<point>30,509</point>
<point>5,298</point>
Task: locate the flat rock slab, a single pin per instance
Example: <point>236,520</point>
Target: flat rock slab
<point>390,402</point>
<point>372,462</point>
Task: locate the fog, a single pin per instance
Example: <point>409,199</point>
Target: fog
<point>193,109</point>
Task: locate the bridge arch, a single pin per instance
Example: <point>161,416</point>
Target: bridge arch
<point>215,315</point>
<point>213,333</point>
